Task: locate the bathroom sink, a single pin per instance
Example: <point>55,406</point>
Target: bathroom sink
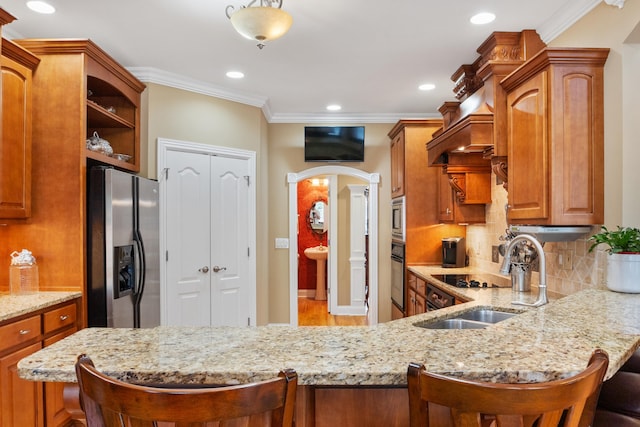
<point>319,255</point>
<point>486,315</point>
<point>474,319</point>
<point>317,252</point>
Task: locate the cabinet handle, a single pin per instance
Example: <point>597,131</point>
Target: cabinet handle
<point>24,331</point>
<point>64,317</point>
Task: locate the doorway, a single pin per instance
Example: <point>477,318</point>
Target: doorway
<point>208,217</point>
<point>370,181</point>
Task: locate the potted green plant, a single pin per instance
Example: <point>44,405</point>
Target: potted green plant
<point>623,260</point>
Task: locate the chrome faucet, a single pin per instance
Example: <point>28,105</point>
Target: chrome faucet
<point>542,287</point>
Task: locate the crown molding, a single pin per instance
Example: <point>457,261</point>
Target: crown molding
<point>565,17</point>
<point>338,118</point>
<point>165,78</point>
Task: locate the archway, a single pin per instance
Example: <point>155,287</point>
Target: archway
<point>373,180</point>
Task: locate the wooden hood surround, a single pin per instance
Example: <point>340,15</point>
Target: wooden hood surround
<point>474,132</point>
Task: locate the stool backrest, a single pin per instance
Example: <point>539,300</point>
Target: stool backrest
<point>108,402</point>
<point>439,401</point>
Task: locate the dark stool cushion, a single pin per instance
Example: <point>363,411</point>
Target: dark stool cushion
<point>621,393</point>
<point>633,364</point>
<point>604,418</point>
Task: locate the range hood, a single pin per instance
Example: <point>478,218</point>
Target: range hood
<point>551,233</point>
<point>475,123</point>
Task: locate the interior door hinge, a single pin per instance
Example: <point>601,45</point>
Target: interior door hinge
<point>166,255</point>
<point>248,180</point>
<point>248,252</point>
<point>248,321</point>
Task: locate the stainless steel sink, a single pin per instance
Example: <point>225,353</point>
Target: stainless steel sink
<point>474,319</point>
<point>452,324</point>
<point>486,315</point>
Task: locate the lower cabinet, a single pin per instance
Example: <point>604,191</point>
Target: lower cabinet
<point>22,401</point>
<point>27,403</point>
<point>417,295</point>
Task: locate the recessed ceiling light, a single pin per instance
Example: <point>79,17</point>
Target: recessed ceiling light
<point>482,18</point>
<point>235,74</point>
<point>41,7</point>
<point>427,86</point>
<point>334,107</point>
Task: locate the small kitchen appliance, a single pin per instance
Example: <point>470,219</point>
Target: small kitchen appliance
<point>454,252</point>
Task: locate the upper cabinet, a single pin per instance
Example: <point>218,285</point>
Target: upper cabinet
<point>472,141</point>
<point>397,165</point>
<point>15,134</point>
<point>464,187</point>
<point>94,90</point>
<point>17,67</point>
<point>555,134</point>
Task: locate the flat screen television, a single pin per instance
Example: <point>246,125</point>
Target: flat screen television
<point>334,143</point>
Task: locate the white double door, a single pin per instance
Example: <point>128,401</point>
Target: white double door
<point>210,239</point>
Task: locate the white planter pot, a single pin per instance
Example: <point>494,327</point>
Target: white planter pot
<point>623,273</point>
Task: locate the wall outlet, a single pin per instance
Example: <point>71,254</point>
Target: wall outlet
<point>495,254</point>
<point>282,243</point>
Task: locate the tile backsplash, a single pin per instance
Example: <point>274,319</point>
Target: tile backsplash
<point>570,266</point>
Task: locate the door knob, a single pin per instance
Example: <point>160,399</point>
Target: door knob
<point>216,269</point>
<point>204,269</point>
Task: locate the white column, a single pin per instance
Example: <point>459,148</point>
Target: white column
<point>358,248</point>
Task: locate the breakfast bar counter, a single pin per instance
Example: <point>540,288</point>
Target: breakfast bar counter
<point>541,344</point>
<point>358,373</point>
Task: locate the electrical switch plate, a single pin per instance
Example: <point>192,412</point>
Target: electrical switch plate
<point>282,243</point>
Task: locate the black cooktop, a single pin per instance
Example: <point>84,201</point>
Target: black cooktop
<point>473,280</point>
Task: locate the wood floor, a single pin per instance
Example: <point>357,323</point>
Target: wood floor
<point>314,313</point>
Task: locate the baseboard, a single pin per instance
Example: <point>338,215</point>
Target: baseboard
<point>306,293</point>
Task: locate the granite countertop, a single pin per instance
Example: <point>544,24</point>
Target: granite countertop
<point>12,306</point>
<point>540,344</point>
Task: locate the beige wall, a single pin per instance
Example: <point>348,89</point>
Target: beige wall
<point>604,26</point>
<point>187,116</point>
<point>286,154</point>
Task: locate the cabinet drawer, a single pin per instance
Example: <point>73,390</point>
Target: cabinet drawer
<point>59,318</point>
<point>18,332</point>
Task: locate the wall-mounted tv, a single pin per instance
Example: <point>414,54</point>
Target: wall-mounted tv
<point>334,143</point>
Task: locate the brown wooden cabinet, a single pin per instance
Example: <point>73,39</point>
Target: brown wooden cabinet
<point>450,210</point>
<point>65,114</point>
<point>423,243</point>
<point>555,134</point>
<point>99,93</point>
<point>417,291</point>
<point>15,137</point>
<point>397,165</point>
<point>418,183</point>
<point>29,403</point>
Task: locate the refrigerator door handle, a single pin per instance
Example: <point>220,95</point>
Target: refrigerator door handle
<point>141,267</point>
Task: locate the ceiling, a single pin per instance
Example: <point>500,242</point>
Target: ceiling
<point>368,56</point>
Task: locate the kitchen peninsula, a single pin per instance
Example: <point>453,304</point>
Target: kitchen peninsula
<point>360,372</point>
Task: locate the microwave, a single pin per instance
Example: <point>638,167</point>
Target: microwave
<point>398,226</point>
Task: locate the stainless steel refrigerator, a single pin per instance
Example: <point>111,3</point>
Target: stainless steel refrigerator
<point>123,283</point>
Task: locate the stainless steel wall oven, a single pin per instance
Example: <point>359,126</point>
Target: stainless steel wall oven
<point>397,274</point>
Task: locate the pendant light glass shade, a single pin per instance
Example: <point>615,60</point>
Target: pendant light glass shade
<point>261,23</point>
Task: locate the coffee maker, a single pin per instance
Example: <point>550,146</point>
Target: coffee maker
<point>454,252</point>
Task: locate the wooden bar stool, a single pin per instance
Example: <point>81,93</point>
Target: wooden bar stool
<point>439,401</point>
<point>108,402</point>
